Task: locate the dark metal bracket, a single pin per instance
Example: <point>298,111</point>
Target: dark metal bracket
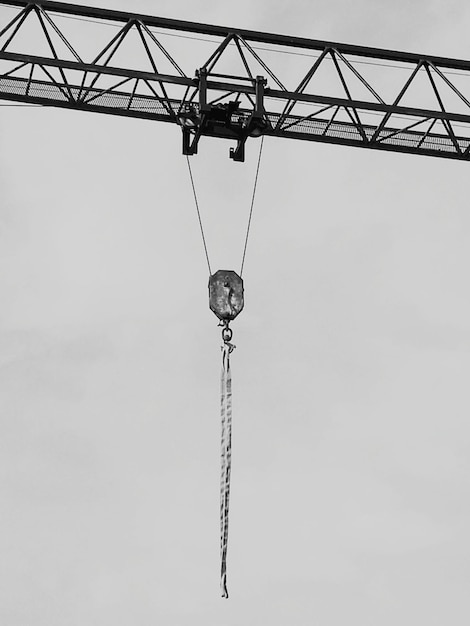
<point>226,120</point>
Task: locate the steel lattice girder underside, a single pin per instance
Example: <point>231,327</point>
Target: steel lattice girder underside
<point>338,97</point>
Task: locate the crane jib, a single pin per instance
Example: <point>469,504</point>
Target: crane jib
<point>350,95</point>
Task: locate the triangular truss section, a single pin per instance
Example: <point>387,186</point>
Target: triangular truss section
<point>136,47</point>
<point>434,89</point>
<point>34,32</point>
<point>334,82</point>
<point>236,58</point>
<point>133,47</point>
<point>334,75</point>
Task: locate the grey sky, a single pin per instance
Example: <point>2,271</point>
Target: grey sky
<point>351,445</point>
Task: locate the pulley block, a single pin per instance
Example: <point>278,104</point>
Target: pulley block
<point>226,294</point>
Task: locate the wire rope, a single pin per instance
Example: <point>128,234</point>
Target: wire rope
<point>250,216</point>
<point>252,204</point>
<point>198,214</point>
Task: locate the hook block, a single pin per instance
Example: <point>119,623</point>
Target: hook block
<point>226,294</point>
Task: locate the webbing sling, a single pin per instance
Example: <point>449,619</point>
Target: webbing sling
<point>226,460</point>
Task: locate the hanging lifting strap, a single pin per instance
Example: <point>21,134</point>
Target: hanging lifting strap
<point>225,392</point>
<point>226,460</point>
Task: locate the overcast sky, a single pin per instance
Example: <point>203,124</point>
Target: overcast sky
<point>350,481</point>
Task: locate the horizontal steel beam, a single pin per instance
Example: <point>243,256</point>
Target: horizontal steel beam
<point>224,86</point>
<point>97,69</point>
<point>249,35</point>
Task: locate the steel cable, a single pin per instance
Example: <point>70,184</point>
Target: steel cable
<point>252,204</point>
<point>199,215</point>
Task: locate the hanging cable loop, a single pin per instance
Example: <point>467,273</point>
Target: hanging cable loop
<point>250,214</point>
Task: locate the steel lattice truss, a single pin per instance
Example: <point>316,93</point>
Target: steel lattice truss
<point>232,83</point>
